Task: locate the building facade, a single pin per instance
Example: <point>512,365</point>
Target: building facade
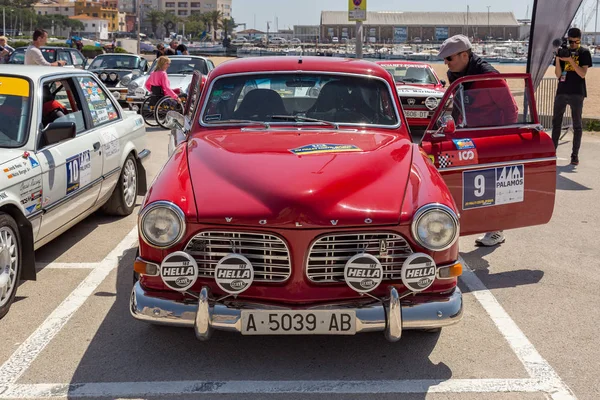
<point>94,28</point>
<point>401,27</point>
<point>307,33</point>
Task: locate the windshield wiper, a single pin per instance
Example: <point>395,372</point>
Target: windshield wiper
<point>238,121</point>
<point>299,118</point>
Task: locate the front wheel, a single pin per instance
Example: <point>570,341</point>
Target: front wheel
<point>10,262</point>
<point>122,201</point>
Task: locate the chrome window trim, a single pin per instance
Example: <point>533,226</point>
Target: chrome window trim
<point>252,232</point>
<point>391,92</point>
<point>422,211</point>
<point>178,213</point>
<point>341,233</point>
<point>498,164</point>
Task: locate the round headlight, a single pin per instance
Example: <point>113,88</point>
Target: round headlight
<point>162,224</point>
<point>125,80</point>
<point>435,227</point>
<point>133,85</point>
<point>103,76</point>
<point>113,76</point>
<point>140,92</point>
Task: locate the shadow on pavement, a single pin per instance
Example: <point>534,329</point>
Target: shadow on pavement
<point>126,350</point>
<point>564,183</point>
<point>475,260</point>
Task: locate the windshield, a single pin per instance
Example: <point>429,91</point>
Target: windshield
<point>271,97</point>
<point>411,73</point>
<point>115,62</point>
<point>184,65</point>
<point>14,111</point>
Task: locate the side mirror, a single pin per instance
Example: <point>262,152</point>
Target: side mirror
<point>449,127</point>
<point>443,82</point>
<point>56,132</point>
<point>174,120</point>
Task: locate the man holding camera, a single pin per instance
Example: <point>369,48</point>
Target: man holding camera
<point>570,66</point>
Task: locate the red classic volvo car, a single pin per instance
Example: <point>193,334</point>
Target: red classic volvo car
<point>298,203</point>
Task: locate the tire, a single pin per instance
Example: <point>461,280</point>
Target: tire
<point>163,106</point>
<point>10,262</point>
<point>122,200</point>
<point>147,112</point>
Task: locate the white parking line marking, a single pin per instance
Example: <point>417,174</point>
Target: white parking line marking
<point>537,367</point>
<point>57,265</point>
<point>140,389</point>
<point>27,352</point>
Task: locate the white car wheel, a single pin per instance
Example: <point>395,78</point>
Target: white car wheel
<point>10,268</point>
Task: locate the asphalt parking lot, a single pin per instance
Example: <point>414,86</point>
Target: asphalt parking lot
<point>529,331</point>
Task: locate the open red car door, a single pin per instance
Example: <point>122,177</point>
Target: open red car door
<point>486,141</point>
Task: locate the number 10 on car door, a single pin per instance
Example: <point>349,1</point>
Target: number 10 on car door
<point>79,171</point>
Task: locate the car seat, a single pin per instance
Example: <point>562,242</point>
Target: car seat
<point>259,104</point>
<point>332,96</point>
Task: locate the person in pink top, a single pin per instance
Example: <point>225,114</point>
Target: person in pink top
<point>159,78</point>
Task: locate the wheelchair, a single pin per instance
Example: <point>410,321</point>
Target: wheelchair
<point>156,106</point>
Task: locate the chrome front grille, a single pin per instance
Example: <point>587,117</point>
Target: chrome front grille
<point>268,254</point>
<point>329,254</point>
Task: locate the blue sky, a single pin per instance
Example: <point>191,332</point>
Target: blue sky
<point>307,12</point>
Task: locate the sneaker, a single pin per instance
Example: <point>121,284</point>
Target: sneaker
<point>491,239</point>
<point>574,160</point>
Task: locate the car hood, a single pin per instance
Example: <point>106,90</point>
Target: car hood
<point>418,90</point>
<point>7,155</point>
<point>176,81</point>
<point>281,178</point>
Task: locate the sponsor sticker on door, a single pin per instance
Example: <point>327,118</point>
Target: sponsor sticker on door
<point>79,171</point>
<point>493,186</point>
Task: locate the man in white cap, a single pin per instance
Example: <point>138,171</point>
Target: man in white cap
<point>495,107</point>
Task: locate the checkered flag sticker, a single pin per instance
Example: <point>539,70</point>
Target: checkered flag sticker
<point>444,161</point>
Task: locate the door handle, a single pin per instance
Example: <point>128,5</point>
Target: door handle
<point>96,146</point>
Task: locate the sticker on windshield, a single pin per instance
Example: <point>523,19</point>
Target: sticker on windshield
<point>463,144</point>
<point>493,186</point>
<point>321,148</point>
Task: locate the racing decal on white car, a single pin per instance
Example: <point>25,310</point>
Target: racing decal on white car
<point>30,192</point>
<point>110,142</point>
<point>418,272</point>
<point>493,186</point>
<point>17,168</point>
<point>179,271</point>
<point>79,171</point>
<point>234,273</point>
<point>363,273</point>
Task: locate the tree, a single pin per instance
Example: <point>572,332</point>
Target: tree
<point>228,25</point>
<point>155,17</point>
<point>206,19</point>
<point>194,25</point>
<point>215,17</point>
<point>169,22</point>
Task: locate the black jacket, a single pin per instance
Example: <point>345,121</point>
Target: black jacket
<point>476,66</point>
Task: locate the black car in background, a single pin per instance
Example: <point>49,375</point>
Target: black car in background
<point>73,57</point>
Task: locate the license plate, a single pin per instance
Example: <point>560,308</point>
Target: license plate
<point>302,322</point>
<point>416,114</point>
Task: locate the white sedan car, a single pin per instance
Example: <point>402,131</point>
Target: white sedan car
<point>66,149</point>
<point>180,75</point>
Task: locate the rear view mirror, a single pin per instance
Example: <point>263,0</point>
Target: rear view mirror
<point>56,132</point>
<point>443,82</point>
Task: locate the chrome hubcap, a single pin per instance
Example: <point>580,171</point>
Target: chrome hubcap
<point>8,264</point>
<point>129,183</point>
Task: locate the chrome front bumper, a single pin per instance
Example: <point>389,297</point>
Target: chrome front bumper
<point>387,315</point>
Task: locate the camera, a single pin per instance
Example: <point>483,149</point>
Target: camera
<point>562,47</point>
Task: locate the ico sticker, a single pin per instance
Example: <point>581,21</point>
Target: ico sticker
<point>418,272</point>
<point>363,273</point>
<point>234,273</point>
<point>179,271</point>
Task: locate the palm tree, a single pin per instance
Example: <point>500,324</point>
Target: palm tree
<point>206,19</point>
<point>169,21</point>
<point>215,17</point>
<point>228,25</point>
<point>155,17</point>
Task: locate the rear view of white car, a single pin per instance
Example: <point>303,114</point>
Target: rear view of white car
<point>67,149</point>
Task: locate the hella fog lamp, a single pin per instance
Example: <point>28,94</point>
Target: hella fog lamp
<point>435,227</point>
<point>162,224</point>
<point>103,76</point>
<point>140,92</point>
<point>113,76</point>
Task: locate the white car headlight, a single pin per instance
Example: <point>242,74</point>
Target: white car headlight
<point>435,227</point>
<point>140,92</point>
<point>162,224</point>
<point>126,80</point>
<point>133,85</point>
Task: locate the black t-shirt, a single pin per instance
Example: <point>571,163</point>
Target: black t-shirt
<point>170,52</point>
<point>574,84</point>
<point>181,49</point>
